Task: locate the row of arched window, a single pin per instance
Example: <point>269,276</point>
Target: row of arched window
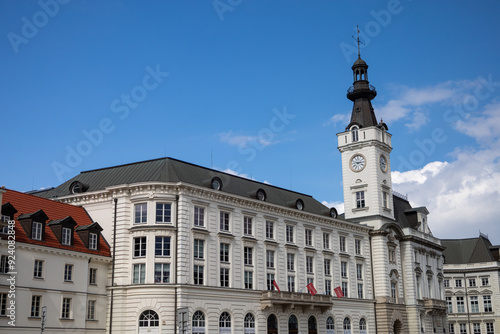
<point>150,318</point>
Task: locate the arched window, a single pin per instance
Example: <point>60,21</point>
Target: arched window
<point>272,324</point>
<point>347,325</point>
<point>330,325</point>
<point>293,324</point>
<point>249,323</point>
<point>149,318</point>
<point>362,326</point>
<point>355,135</point>
<point>198,322</point>
<point>225,323</point>
<point>311,323</point>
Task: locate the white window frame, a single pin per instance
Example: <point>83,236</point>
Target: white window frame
<point>66,236</point>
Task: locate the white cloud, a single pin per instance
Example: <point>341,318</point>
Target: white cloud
<point>484,128</point>
<point>343,119</point>
<point>242,140</point>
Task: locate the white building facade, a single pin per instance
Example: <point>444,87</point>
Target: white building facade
<point>472,285</point>
<point>64,280</point>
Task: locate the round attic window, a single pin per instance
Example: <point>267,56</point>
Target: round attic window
<point>77,187</point>
<point>261,195</point>
<point>299,204</point>
<point>216,183</point>
<point>333,213</point>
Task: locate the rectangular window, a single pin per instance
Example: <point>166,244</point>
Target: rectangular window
<point>392,255</point>
<point>357,246</point>
<point>309,237</point>
<point>270,259</point>
<point>449,304</point>
<point>472,282</point>
<point>360,199</point>
<point>328,271</point>
<point>224,221</point>
<point>199,216</point>
<point>247,226</point>
<point>36,232</point>
<point>359,271</point>
<point>394,292</point>
<point>269,229</point>
<point>66,236</point>
<point>93,276</point>
<point>458,283</point>
<point>139,273</point>
<point>474,304</point>
<point>489,328</point>
<point>66,308</point>
<point>162,246</point>
<point>91,310</point>
<point>140,247</point>
<point>326,240</point>
<point>35,306</point>
<point>290,262</point>
<point>224,277</point>
<point>476,327</point>
<point>487,304</point>
<point>328,287</point>
<point>224,253</point>
<point>198,275</point>
<point>199,246</point>
<point>309,281</point>
<point>463,329</point>
<point>446,283</point>
<point>92,241</point>
<point>309,265</point>
<point>343,269</point>
<point>485,281</point>
<point>291,283</point>
<point>451,328</point>
<point>4,264</point>
<point>162,273</point>
<point>38,269</point>
<point>248,279</point>
<point>384,200</point>
<point>289,233</point>
<point>3,304</point>
<point>247,256</point>
<point>141,213</point>
<point>68,272</point>
<point>360,290</point>
<point>460,305</point>
<point>163,212</point>
<point>342,246</point>
<point>270,279</point>
<point>345,287</point>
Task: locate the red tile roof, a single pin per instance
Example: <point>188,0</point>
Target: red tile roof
<point>25,204</point>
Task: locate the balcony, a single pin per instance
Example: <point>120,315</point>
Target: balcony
<point>284,300</point>
<point>361,89</point>
<point>434,306</point>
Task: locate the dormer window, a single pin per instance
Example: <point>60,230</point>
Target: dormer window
<point>66,236</point>
<point>36,231</point>
<point>355,135</point>
<point>93,241</point>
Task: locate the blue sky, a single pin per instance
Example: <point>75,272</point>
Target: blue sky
<point>257,88</point>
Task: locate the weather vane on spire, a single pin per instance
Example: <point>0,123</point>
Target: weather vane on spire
<point>357,40</point>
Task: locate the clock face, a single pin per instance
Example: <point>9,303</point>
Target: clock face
<point>358,163</point>
<point>383,163</point>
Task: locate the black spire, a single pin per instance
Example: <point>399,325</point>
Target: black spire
<point>361,93</point>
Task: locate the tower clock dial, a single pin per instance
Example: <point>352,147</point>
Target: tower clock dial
<point>358,163</point>
<point>383,163</point>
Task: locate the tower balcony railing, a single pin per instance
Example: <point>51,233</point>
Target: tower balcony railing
<point>371,88</point>
<point>285,299</point>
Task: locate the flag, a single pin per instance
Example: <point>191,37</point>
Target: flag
<point>338,292</point>
<point>276,286</point>
<point>311,289</point>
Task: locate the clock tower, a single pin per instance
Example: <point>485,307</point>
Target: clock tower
<point>365,146</point>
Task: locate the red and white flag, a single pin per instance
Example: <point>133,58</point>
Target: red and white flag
<point>276,286</point>
<point>338,292</point>
<point>312,289</point>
